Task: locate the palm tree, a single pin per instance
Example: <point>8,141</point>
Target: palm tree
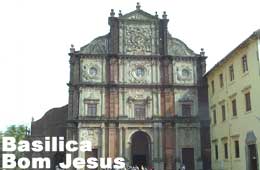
<point>19,133</point>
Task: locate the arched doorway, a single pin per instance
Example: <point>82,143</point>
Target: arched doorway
<point>251,150</point>
<point>141,149</point>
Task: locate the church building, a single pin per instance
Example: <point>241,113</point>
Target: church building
<point>139,93</point>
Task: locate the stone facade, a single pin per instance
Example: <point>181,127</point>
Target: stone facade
<point>138,82</point>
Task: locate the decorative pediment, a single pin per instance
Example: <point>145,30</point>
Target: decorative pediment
<point>98,46</point>
<point>138,15</point>
<point>178,48</point>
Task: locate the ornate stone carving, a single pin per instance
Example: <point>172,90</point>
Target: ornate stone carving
<point>89,134</point>
<point>175,46</point>
<point>97,46</point>
<point>83,135</point>
<point>91,71</point>
<point>184,73</point>
<point>138,39</point>
<point>139,14</point>
<point>178,48</point>
<point>185,95</point>
<point>139,72</point>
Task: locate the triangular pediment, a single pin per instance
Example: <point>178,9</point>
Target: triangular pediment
<point>138,15</point>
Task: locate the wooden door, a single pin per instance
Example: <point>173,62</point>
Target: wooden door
<point>252,157</point>
<point>88,154</point>
<point>188,158</point>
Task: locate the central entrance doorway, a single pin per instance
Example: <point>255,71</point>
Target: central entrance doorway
<point>188,158</point>
<point>141,149</point>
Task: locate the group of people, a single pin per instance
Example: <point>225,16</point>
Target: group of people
<point>182,167</point>
<point>135,167</point>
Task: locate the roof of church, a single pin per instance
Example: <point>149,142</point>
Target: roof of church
<point>52,123</point>
<point>99,45</point>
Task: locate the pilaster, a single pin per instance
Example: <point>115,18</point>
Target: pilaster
<point>103,139</point>
<point>112,140</point>
<point>163,34</point>
<point>114,33</point>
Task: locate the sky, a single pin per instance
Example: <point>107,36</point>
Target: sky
<point>35,37</point>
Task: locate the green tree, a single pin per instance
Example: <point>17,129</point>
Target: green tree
<point>1,136</point>
<point>19,132</point>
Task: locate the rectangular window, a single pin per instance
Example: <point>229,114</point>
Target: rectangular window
<point>214,117</point>
<point>237,153</point>
<point>248,101</point>
<point>234,107</point>
<point>139,110</point>
<point>244,64</point>
<point>212,86</point>
<point>92,109</point>
<point>231,72</point>
<point>216,152</point>
<point>226,150</point>
<point>223,109</point>
<point>221,80</point>
<point>186,109</point>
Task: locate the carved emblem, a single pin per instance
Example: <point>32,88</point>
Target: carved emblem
<point>184,74</point>
<point>138,39</point>
<point>138,73</point>
<point>90,72</point>
<point>84,135</point>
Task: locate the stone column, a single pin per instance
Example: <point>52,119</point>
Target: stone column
<point>103,71</point>
<point>198,158</point>
<point>168,146</point>
<point>177,150</point>
<point>152,71</point>
<point>120,141</point>
<point>123,141</point>
<point>121,112</point>
<point>123,105</point>
<point>149,107</point>
<point>103,134</point>
<point>155,150</point>
<point>160,148</point>
<point>127,147</point>
<point>113,140</point>
<point>71,135</point>
<point>100,142</point>
<point>82,135</point>
<point>158,103</point>
<point>70,105</point>
<point>103,101</point>
<point>158,77</point>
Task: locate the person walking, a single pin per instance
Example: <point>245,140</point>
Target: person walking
<point>183,167</point>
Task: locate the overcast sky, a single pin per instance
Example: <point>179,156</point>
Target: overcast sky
<point>35,36</point>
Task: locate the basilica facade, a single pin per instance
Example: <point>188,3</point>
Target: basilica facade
<point>138,93</point>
